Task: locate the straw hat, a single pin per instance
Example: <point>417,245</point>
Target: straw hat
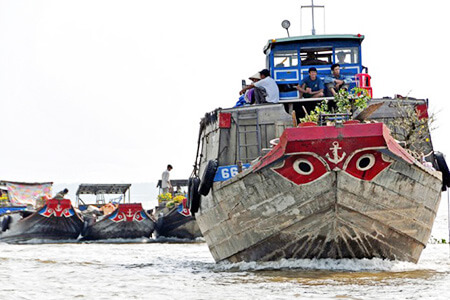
<point>256,76</point>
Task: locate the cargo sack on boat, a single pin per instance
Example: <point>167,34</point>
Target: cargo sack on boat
<point>442,166</point>
<point>193,195</point>
<point>208,177</point>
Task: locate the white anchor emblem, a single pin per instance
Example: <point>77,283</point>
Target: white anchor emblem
<point>129,213</point>
<point>336,159</point>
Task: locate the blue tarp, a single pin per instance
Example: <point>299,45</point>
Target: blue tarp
<point>241,101</point>
<point>4,210</point>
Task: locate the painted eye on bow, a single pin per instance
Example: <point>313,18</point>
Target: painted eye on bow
<point>366,164</point>
<point>302,168</point>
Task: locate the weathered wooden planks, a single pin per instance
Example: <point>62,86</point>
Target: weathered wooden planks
<point>336,217</point>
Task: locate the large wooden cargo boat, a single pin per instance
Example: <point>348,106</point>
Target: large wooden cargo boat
<point>340,189</point>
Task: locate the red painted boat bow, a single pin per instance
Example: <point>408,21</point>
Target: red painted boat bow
<point>310,152</point>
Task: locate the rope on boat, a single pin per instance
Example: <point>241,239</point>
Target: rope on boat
<point>194,172</point>
<point>448,219</point>
<point>209,118</point>
<point>431,152</point>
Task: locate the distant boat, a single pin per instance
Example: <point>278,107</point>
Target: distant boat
<point>175,219</point>
<point>113,220</point>
<point>54,219</point>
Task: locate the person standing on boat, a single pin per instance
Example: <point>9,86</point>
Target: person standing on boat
<point>336,81</point>
<point>265,90</point>
<point>166,186</point>
<point>311,86</point>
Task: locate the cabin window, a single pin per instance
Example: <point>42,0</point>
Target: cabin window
<point>316,56</point>
<point>346,55</point>
<point>285,59</point>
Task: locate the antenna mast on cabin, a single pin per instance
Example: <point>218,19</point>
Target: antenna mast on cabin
<point>312,6</point>
<point>313,31</point>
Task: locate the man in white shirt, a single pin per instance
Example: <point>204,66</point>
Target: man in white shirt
<point>266,89</point>
<point>166,186</point>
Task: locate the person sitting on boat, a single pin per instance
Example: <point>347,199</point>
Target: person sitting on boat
<point>61,194</point>
<point>336,81</point>
<point>248,97</point>
<point>249,94</point>
<point>265,90</point>
<point>311,86</point>
<point>311,59</point>
<point>166,186</point>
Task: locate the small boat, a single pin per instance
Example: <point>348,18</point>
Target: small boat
<point>115,219</point>
<point>345,186</point>
<point>174,219</point>
<point>26,219</point>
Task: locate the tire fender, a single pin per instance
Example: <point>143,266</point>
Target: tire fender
<point>193,195</point>
<point>442,166</point>
<point>189,192</point>
<point>5,223</point>
<point>208,177</point>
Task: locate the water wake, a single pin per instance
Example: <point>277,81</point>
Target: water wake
<point>374,264</point>
<point>163,239</point>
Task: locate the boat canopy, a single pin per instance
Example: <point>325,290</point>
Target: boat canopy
<point>314,38</point>
<point>175,182</point>
<point>289,59</point>
<point>15,193</point>
<point>100,190</point>
<point>94,189</point>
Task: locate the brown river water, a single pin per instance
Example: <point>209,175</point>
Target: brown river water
<point>168,269</point>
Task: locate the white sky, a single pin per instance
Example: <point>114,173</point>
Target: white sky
<point>113,91</point>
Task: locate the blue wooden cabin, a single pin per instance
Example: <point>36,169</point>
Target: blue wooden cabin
<point>289,59</point>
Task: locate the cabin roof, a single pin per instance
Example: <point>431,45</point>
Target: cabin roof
<point>4,182</point>
<point>318,38</point>
<point>175,182</point>
<point>95,189</point>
